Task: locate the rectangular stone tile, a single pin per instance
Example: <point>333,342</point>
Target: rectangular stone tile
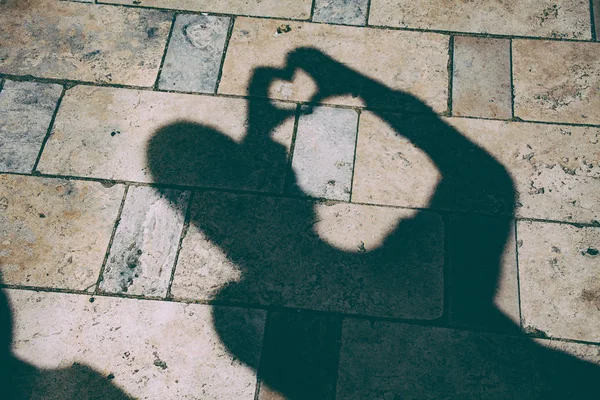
<point>482,273</point>
<point>71,41</point>
<point>414,62</point>
<point>129,348</point>
<point>348,12</point>
<point>560,284</point>
<point>296,9</point>
<point>334,257</point>
<point>481,78</point>
<point>194,55</point>
<point>563,87</point>
<point>324,152</point>
<point>559,19</point>
<point>26,109</point>
<point>299,356</point>
<point>54,232</point>
<point>144,248</point>
<point>397,361</point>
<point>554,168</point>
<point>173,138</point>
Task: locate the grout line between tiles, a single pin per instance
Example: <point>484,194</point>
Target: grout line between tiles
<point>225,47</point>
<point>593,21</point>
<point>450,73</point>
<point>164,55</point>
<point>289,172</point>
<point>512,85</point>
<point>354,156</point>
<point>184,231</point>
<point>518,274</point>
<point>49,131</point>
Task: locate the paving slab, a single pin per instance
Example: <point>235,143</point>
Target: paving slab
<point>55,233</point>
<point>27,109</point>
<point>145,244</point>
<point>347,12</point>
<point>194,54</point>
<point>481,78</point>
<point>71,41</point>
<point>322,256</point>
<point>381,360</point>
<point>296,9</point>
<point>558,19</point>
<point>146,136</point>
<point>557,81</point>
<point>554,167</point>
<point>559,280</point>
<point>324,152</point>
<point>146,349</point>
<point>414,62</point>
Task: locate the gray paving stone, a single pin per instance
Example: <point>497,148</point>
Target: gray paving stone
<point>26,109</point>
<point>381,360</point>
<point>133,349</point>
<point>481,78</point>
<point>348,12</point>
<point>340,257</point>
<point>324,152</point>
<point>596,9</point>
<point>143,251</point>
<point>194,53</point>
<point>560,280</point>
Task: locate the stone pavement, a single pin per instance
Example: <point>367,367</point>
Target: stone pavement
<point>300,199</point>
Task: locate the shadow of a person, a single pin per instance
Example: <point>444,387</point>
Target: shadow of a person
<point>283,263</point>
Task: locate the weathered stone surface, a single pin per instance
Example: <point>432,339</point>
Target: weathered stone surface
<point>337,257</point>
<point>391,361</point>
<point>173,138</point>
<point>194,55</point>
<point>559,19</point>
<point>143,349</point>
<point>348,12</point>
<point>71,41</point>
<point>324,152</point>
<point>557,81</point>
<point>481,78</point>
<point>559,280</point>
<point>554,168</point>
<point>143,251</point>
<point>26,109</point>
<point>297,9</point>
<point>412,61</point>
<point>53,232</point>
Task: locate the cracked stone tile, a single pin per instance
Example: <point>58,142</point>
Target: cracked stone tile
<point>396,361</point>
<point>559,280</point>
<point>174,138</point>
<point>299,356</point>
<point>134,348</point>
<point>339,257</point>
<point>324,152</point>
<point>555,168</point>
<point>26,109</point>
<point>348,12</point>
<point>194,54</point>
<point>53,232</point>
<point>296,9</point>
<point>414,62</point>
<point>481,78</point>
<point>557,81</point>
<point>559,19</point>
<point>143,251</point>
<point>71,41</point>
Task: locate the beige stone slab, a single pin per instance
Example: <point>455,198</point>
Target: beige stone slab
<point>173,138</point>
<point>410,61</point>
<point>71,41</point>
<point>557,81</point>
<point>555,168</point>
<point>559,279</point>
<point>481,78</point>
<point>296,9</point>
<point>55,233</point>
<point>557,19</point>
<point>143,349</point>
<point>340,257</point>
<point>381,360</point>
